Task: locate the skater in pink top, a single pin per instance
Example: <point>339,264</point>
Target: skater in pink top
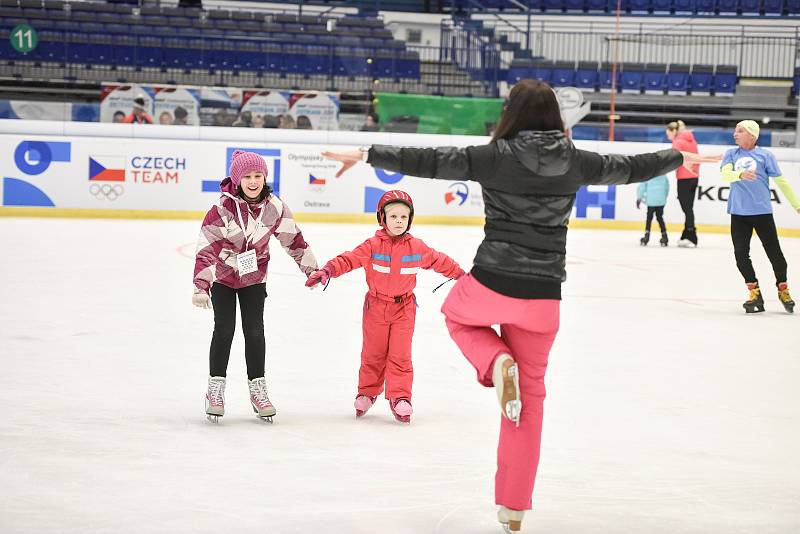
<point>529,174</point>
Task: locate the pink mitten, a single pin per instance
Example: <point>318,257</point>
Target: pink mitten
<point>318,276</point>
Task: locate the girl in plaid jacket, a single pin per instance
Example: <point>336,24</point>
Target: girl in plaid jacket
<point>231,261</point>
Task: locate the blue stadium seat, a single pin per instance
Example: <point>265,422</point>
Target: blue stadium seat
<point>575,6</point>
<point>678,79</point>
<point>586,76</point>
<point>725,80</point>
<point>686,7</point>
<point>124,50</point>
<point>773,7</point>
<point>563,74</point>
<point>631,78</point>
<point>272,57</point>
<point>149,53</point>
<point>174,53</point>
<point>542,70</point>
<point>606,77</point>
<point>796,82</point>
<point>553,6</point>
<point>636,6</point>
<point>102,53</point>
<point>662,6</point>
<point>701,80</point>
<point>409,65</point>
<point>384,64</point>
<point>705,6</point>
<point>519,70</point>
<point>727,7</point>
<point>599,6</point>
<point>750,7</point>
<point>654,78</point>
<point>318,60</point>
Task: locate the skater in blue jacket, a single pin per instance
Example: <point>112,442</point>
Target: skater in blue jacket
<point>653,193</point>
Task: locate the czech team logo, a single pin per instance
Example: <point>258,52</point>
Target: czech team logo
<point>313,180</point>
<point>457,194</point>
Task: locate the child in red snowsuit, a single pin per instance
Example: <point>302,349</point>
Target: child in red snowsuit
<point>391,260</point>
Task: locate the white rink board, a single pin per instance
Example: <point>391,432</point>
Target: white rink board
<point>175,168</point>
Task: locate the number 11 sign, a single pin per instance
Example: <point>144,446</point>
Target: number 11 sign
<point>24,38</point>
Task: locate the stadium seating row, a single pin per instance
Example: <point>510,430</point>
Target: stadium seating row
<point>653,78</point>
<point>214,54</point>
<point>39,18</point>
<point>678,7</point>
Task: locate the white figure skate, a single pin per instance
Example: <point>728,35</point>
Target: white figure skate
<point>505,377</point>
<point>215,398</point>
<point>259,399</point>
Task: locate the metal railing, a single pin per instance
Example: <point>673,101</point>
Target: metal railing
<point>755,56</point>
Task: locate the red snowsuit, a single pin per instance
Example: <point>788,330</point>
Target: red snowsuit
<point>390,307</point>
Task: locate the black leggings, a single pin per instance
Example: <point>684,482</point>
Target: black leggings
<point>251,303</point>
<point>658,211</point>
<point>686,193</point>
<point>742,227</point>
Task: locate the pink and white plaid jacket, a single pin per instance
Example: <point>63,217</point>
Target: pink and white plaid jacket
<point>222,238</point>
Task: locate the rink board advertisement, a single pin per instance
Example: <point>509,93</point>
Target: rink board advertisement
<point>144,172</point>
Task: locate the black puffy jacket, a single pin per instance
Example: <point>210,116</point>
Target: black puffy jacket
<point>529,184</point>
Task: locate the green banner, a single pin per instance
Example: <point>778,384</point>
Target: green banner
<point>437,114</point>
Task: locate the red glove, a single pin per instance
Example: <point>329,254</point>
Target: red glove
<point>318,276</point>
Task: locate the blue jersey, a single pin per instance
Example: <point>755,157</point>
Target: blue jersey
<point>751,197</point>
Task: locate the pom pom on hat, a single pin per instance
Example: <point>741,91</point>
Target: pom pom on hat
<point>243,163</point>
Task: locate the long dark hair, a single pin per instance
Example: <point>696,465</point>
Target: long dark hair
<point>532,105</point>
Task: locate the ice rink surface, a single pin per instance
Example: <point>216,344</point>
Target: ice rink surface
<point>669,410</point>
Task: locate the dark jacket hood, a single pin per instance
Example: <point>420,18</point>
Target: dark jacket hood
<point>546,153</point>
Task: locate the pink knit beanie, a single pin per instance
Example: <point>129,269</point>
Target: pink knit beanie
<point>244,163</point>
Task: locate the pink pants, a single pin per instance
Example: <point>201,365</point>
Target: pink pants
<point>527,330</point>
<point>388,328</point>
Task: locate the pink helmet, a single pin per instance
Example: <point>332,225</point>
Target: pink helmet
<point>390,197</point>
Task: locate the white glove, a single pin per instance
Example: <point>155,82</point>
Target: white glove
<point>201,300</point>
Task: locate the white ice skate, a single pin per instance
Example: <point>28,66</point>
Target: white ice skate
<point>260,400</point>
<point>511,520</point>
<point>215,398</point>
<point>505,377</point>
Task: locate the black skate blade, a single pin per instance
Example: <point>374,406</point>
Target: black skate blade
<point>265,418</point>
<point>213,418</point>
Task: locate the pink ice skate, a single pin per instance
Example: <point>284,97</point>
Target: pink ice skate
<point>363,404</point>
<point>402,410</point>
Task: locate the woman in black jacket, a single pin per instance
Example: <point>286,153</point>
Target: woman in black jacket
<point>529,174</point>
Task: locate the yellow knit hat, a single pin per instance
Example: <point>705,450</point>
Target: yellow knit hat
<point>751,127</point>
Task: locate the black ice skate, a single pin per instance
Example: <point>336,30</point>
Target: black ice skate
<point>643,241</point>
<point>785,297</point>
<point>664,240</point>
<point>755,303</point>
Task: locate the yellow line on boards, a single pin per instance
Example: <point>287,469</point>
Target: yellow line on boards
<point>366,218</point>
